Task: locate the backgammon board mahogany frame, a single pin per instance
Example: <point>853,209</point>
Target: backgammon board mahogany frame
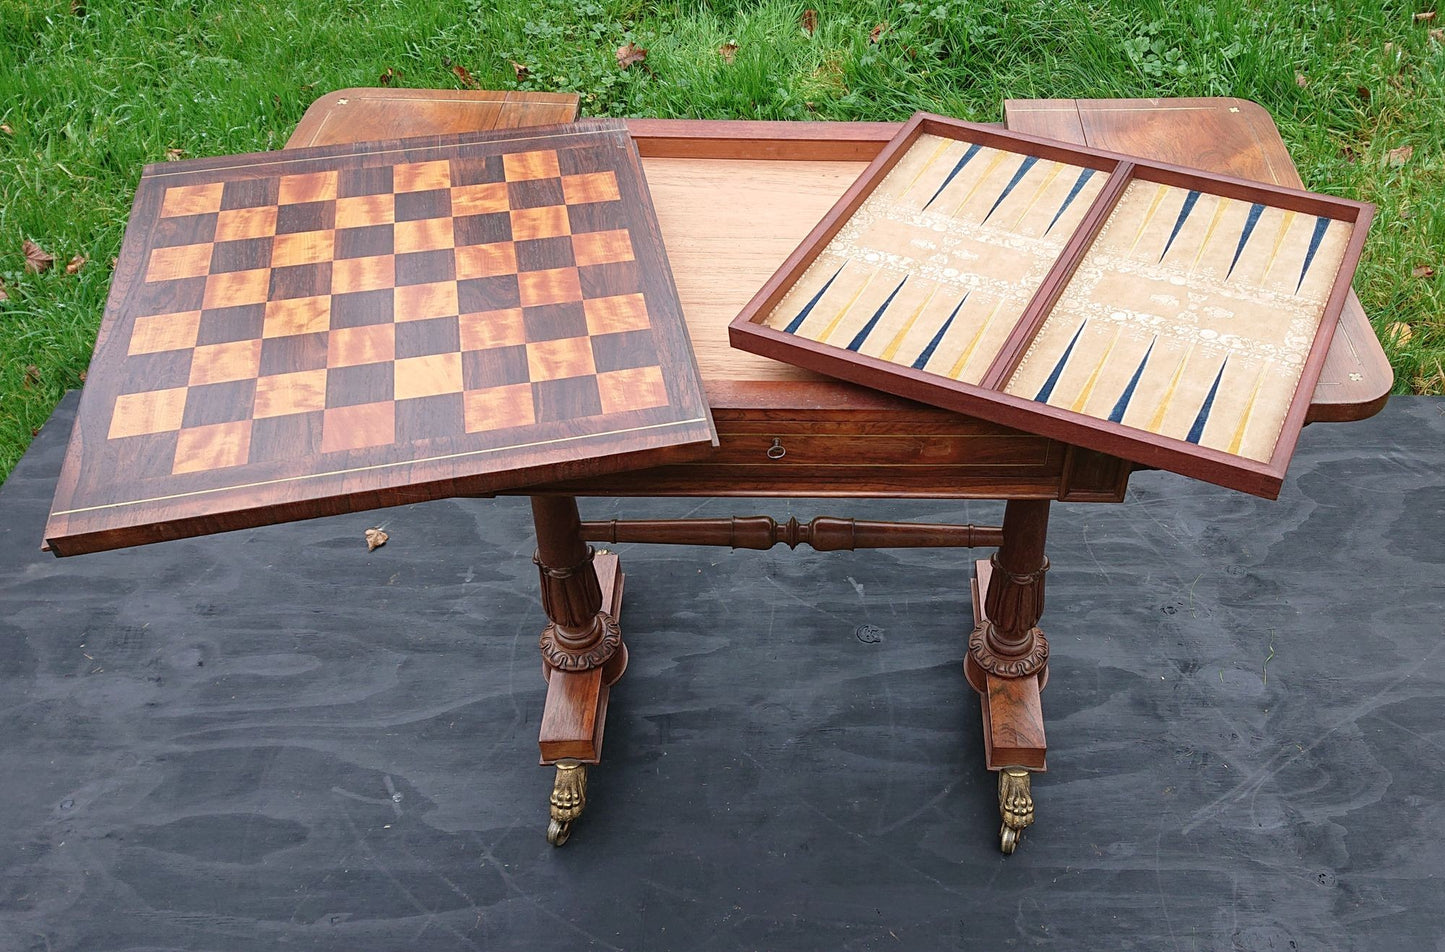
<point>987,398</point>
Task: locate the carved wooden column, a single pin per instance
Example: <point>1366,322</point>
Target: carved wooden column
<point>582,652</point>
<point>1007,660</point>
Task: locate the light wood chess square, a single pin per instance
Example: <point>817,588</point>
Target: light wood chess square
<point>557,359</point>
<point>362,274</point>
<point>523,166</point>
<point>621,312</point>
<point>601,247</point>
<point>479,199</point>
<point>485,261</point>
<point>352,428</point>
<point>428,376</point>
<point>236,224</point>
<point>192,200</point>
<point>218,363</point>
<point>237,287</point>
<point>421,176</point>
<point>162,332</point>
<point>306,247</point>
<point>418,302</point>
<point>155,411</point>
<point>487,329</point>
<point>634,389</point>
<point>546,221</point>
<point>497,408</point>
<point>307,315</point>
<point>590,187</point>
<point>426,234</point>
<point>181,261</point>
<point>311,187</point>
<point>352,346</point>
<point>364,210</point>
<point>554,286</point>
<point>282,394</point>
<point>203,448</point>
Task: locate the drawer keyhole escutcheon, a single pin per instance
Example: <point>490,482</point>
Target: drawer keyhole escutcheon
<point>777,451</point>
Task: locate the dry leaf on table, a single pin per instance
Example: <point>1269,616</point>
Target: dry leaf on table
<point>809,22</point>
<point>37,259</point>
<point>630,53</point>
<point>1401,155</point>
<point>521,69</point>
<point>1423,271</point>
<point>375,538</point>
<point>75,264</point>
<point>728,51</point>
<point>468,80</point>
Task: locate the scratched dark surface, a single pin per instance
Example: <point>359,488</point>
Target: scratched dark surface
<point>273,739</point>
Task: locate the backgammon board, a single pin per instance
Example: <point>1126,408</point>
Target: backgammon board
<point>1160,314</point>
<point>334,329</point>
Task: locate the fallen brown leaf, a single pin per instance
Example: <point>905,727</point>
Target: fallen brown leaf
<point>1422,271</point>
<point>1400,156</point>
<point>728,51</point>
<point>1300,80</point>
<point>174,154</point>
<point>5,128</point>
<point>83,375</point>
<point>1438,34</point>
<point>521,69</point>
<point>113,263</point>
<point>375,538</point>
<point>1389,47</point>
<point>630,53</point>
<point>468,80</point>
<point>75,264</point>
<point>1363,92</point>
<point>1425,17</point>
<point>3,296</point>
<point>386,77</point>
<point>32,376</point>
<point>77,7</point>
<point>1399,333</point>
<point>1347,152</point>
<point>809,22</point>
<point>877,33</point>
<point>37,259</point>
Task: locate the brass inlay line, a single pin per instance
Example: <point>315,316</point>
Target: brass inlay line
<point>1088,391</point>
<point>967,354</point>
<point>1149,216</point>
<point>892,347</point>
<point>378,466</point>
<point>833,325</point>
<point>1158,419</point>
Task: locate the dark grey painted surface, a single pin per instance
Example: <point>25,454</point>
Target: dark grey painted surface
<point>273,739</point>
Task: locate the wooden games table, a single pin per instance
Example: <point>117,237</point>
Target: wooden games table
<point>733,199</point>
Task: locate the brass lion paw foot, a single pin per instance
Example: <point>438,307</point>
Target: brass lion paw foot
<point>1015,804</point>
<point>569,798</point>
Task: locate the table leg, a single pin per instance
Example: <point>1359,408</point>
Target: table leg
<point>1007,660</point>
<point>582,653</point>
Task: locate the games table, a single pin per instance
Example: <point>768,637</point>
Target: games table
<point>732,200</point>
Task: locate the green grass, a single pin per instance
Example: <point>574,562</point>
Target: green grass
<point>92,91</point>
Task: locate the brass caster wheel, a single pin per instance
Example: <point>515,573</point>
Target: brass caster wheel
<point>569,798</point>
<point>1015,804</point>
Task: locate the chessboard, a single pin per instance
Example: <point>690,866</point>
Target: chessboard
<point>323,330</point>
